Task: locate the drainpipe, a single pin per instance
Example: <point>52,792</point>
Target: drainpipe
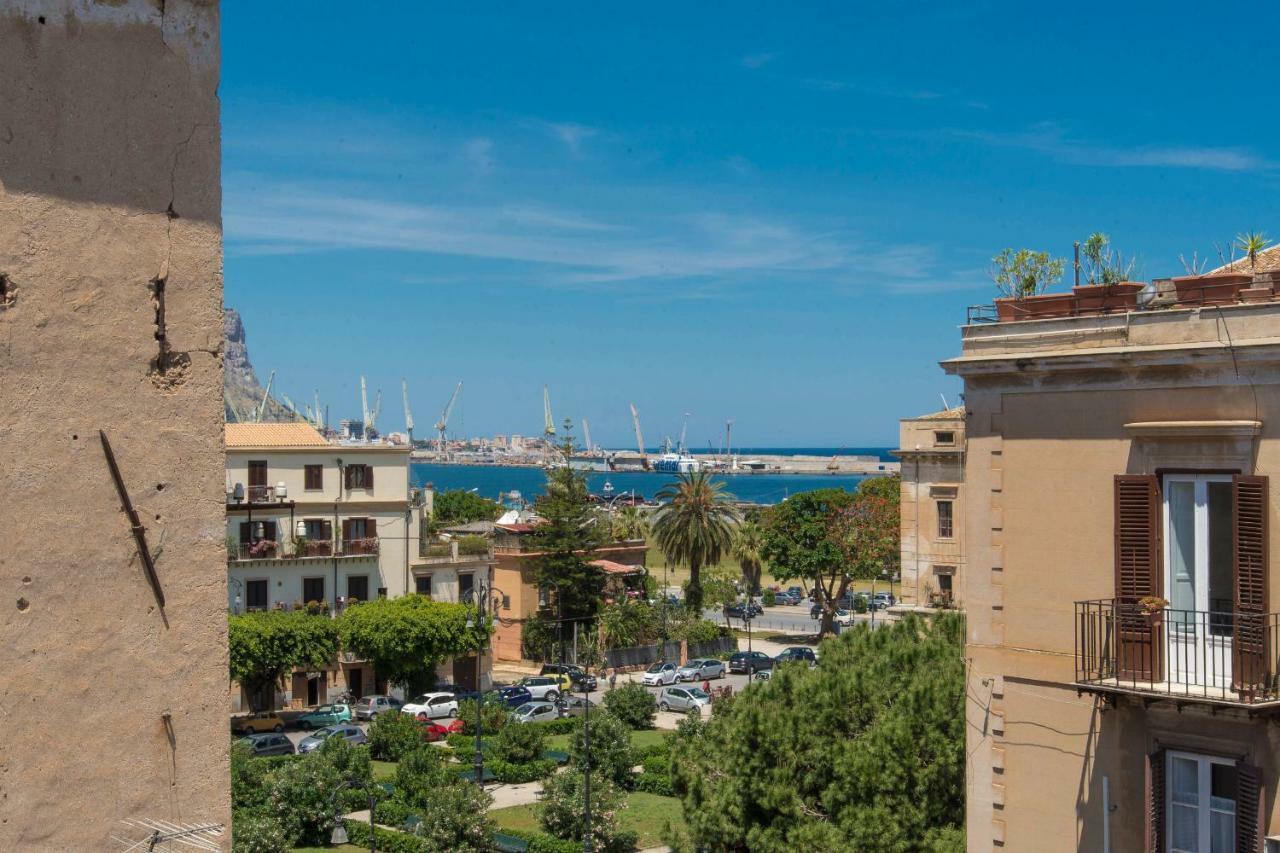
<point>917,543</point>
<point>333,540</point>
<point>1106,811</point>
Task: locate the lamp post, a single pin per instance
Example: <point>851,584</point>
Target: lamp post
<point>746,621</point>
<point>339,835</point>
<point>586,765</point>
<point>481,594</point>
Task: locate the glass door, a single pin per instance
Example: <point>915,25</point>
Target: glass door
<point>1198,578</point>
<point>1201,807</point>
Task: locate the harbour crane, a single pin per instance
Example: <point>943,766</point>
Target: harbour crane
<point>373,416</point>
<point>635,419</point>
<point>408,415</point>
<point>364,411</point>
<point>586,435</point>
<point>728,443</point>
<point>684,427</point>
<point>266,395</point>
<point>318,423</point>
<point>443,423</point>
<point>549,425</point>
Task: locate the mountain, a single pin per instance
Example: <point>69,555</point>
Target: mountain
<point>241,390</point>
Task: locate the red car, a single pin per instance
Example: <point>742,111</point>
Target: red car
<point>432,732</point>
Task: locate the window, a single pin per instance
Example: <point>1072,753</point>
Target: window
<point>314,477</point>
<point>422,585</point>
<point>1201,803</point>
<point>466,582</point>
<point>258,488</point>
<point>946,526</point>
<point>357,528</point>
<point>358,587</point>
<point>319,528</point>
<point>944,438</point>
<point>506,602</point>
<point>255,595</point>
<point>257,531</point>
<point>359,476</point>
<point>944,585</point>
<point>312,589</point>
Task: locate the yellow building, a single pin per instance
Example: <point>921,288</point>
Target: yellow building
<point>1122,619</point>
<point>931,450</point>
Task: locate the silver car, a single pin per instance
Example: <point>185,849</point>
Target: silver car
<point>369,707</point>
<point>700,669</point>
<point>353,735</point>
<point>682,699</point>
<point>532,712</point>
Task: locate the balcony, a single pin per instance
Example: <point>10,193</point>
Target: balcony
<point>360,547</point>
<point>300,549</point>
<point>1217,657</point>
<point>468,549</point>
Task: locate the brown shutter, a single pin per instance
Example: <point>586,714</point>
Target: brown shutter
<point>1251,810</point>
<point>326,529</point>
<point>370,528</point>
<point>1155,819</point>
<point>1137,544</point>
<point>1249,563</point>
<point>346,531</point>
<point>246,533</point>
<point>368,476</point>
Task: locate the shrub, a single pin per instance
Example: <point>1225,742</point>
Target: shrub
<point>517,774</point>
<point>256,832</point>
<point>248,778</point>
<point>394,735</point>
<point>419,773</point>
<point>300,797</point>
<point>768,598</point>
<point>493,717</point>
<point>561,811</point>
<point>351,762</point>
<point>655,783</point>
<point>518,744</point>
<point>610,749</point>
<point>540,842</point>
<point>461,743</point>
<point>632,705</point>
<point>473,545</point>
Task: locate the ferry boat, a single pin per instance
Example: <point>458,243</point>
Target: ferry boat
<point>676,463</point>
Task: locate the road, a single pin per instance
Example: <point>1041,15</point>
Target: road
<point>789,619</point>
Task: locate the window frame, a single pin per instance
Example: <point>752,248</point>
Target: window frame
<point>939,441</point>
<point>306,599</point>
<point>266,585</point>
<point>1204,783</point>
<point>950,504</point>
<point>307,479</point>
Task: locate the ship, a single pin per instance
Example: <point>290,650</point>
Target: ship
<point>676,463</point>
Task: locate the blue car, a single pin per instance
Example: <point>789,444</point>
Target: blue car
<point>514,697</point>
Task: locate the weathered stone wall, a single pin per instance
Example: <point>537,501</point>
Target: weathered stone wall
<point>111,319</point>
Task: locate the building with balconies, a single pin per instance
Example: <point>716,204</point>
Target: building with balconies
<point>931,450</point>
<point>1123,645</point>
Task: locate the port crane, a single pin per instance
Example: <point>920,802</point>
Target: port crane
<point>586,435</point>
<point>684,428</point>
<point>408,415</point>
<point>443,423</point>
<point>266,395</point>
<point>373,416</point>
<point>728,443</point>
<point>548,425</point>
<point>364,411</point>
<point>635,419</point>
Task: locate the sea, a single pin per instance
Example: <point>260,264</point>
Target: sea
<point>490,480</point>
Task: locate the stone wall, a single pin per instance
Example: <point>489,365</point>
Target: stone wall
<point>110,319</point>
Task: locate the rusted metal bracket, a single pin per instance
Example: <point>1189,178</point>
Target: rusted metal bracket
<point>135,524</point>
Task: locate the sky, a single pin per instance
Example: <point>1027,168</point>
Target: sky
<point>770,213</point>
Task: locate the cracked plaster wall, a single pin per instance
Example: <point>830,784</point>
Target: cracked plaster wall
<point>110,193</point>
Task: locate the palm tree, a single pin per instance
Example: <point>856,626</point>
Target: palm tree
<point>628,523</point>
<point>747,542</point>
<point>1251,244</point>
<point>694,525</point>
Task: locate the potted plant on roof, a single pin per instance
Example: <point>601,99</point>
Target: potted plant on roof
<point>1107,286</point>
<point>1022,276</point>
<point>1223,285</point>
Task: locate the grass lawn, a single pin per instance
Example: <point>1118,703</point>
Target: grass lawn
<point>643,814</point>
<point>383,770</point>
<point>639,739</point>
<point>341,848</point>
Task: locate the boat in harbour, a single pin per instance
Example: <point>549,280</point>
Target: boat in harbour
<point>677,463</point>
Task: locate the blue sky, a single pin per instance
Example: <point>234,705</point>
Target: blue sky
<point>734,210</point>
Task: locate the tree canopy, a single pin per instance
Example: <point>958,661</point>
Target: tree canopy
<point>267,645</point>
<point>865,752</point>
<point>458,506</point>
<point>406,638</point>
<point>694,525</point>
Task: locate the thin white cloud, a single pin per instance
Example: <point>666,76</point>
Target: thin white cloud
<point>754,61</point>
<point>1050,140</point>
<point>572,135</point>
<point>479,153</point>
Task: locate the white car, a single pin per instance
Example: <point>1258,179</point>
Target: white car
<point>543,687</point>
<point>843,617</point>
<point>532,712</point>
<point>659,673</point>
<point>428,706</point>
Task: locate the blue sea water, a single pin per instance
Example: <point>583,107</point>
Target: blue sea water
<point>489,480</point>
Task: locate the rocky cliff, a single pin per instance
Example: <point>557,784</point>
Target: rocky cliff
<point>242,392</point>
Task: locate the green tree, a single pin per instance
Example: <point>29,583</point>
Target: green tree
<point>459,506</point>
<point>720,589</point>
<point>797,544</point>
<point>629,523</point>
<point>610,748</point>
<point>453,811</point>
<point>629,623</point>
<point>748,540</point>
<point>393,736</point>
<point>265,646</point>
<point>868,531</point>
<point>865,752</point>
<point>406,638</point>
<point>631,705</point>
<point>694,525</point>
<point>1251,244</point>
<point>1024,272</point>
<point>563,814</point>
<point>421,772</point>
<point>566,541</point>
<point>301,797</point>
<point>519,744</point>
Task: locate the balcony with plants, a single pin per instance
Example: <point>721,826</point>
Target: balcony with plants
<point>464,549</point>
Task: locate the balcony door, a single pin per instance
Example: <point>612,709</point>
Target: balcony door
<point>1199,578</point>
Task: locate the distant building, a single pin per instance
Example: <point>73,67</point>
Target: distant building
<point>931,450</point>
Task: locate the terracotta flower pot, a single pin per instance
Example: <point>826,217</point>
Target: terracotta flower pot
<point>1035,307</point>
<point>1120,296</point>
<point>1215,289</point>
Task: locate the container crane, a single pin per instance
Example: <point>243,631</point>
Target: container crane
<point>266,395</point>
<point>728,442</point>
<point>373,416</point>
<point>684,427</point>
<point>548,423</point>
<point>408,415</point>
<point>586,435</point>
<point>635,419</point>
<point>443,423</point>
<point>364,411</point>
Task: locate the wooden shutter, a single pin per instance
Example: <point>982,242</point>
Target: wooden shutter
<point>370,528</point>
<point>368,476</point>
<point>1137,546</point>
<point>1249,563</point>
<point>246,533</point>
<point>346,531</point>
<point>269,530</point>
<point>326,529</point>
<point>1155,818</point>
<point>1251,809</point>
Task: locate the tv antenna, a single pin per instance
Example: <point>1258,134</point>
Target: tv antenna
<point>161,834</point>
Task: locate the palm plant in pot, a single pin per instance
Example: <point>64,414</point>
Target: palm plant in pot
<point>1107,286</point>
<point>1227,284</point>
<point>1021,277</point>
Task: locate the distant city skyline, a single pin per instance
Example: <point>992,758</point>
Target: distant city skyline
<point>775,217</point>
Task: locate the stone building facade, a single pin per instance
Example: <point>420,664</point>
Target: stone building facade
<point>931,450</point>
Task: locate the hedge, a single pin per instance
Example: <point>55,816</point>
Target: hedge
<point>518,774</point>
<point>541,842</point>
<point>389,841</point>
<point>654,783</point>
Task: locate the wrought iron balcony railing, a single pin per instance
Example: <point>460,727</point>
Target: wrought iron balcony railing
<point>1218,656</point>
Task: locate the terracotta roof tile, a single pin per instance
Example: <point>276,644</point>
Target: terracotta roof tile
<point>1268,260</point>
<point>616,568</point>
<point>273,435</point>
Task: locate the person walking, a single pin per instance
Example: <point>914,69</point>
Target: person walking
<point>706,686</point>
<point>613,677</point>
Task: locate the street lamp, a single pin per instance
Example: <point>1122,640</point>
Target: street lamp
<point>339,835</point>
<point>481,594</point>
<point>586,764</point>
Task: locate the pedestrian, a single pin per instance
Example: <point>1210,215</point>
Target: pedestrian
<point>706,685</point>
<point>613,677</point>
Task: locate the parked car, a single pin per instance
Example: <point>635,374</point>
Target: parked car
<point>797,653</point>
<point>369,707</point>
<point>428,706</point>
<point>532,712</point>
<point>882,600</point>
<point>432,732</point>
<point>577,675</point>
<point>798,592</point>
<point>325,715</point>
<point>749,662</point>
<point>815,612</point>
<point>659,673</point>
<point>683,699</point>
<point>353,735</point>
<point>263,721</point>
<point>700,669</point>
<point>574,706</point>
<point>740,611</point>
<point>269,744</point>
<point>786,597</point>
<point>843,617</point>
<point>543,687</point>
<point>514,696</point>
